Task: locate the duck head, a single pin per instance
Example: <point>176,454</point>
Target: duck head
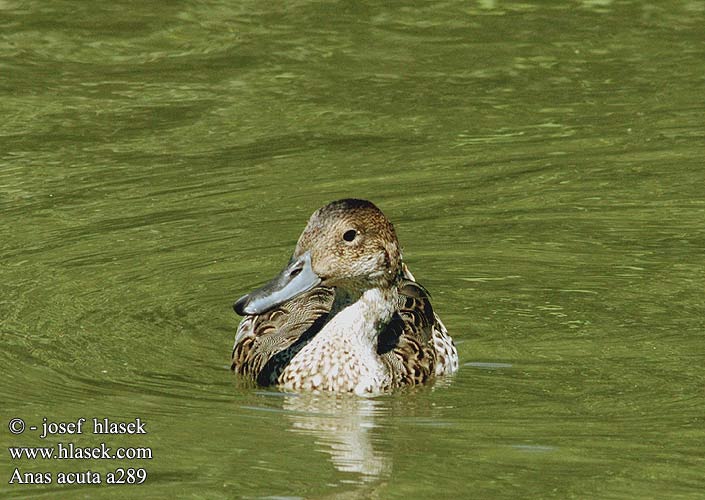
<point>347,244</point>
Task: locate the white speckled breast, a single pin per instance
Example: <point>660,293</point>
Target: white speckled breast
<point>343,356</point>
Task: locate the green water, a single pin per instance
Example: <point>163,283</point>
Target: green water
<point>543,162</point>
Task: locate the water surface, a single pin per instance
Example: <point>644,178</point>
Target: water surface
<point>542,163</point>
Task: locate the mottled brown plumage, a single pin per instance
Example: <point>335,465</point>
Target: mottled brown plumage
<point>265,343</point>
<point>363,325</point>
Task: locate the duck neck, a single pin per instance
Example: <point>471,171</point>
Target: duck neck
<point>344,298</point>
<point>362,314</point>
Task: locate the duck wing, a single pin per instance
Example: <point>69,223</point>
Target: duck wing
<point>406,345</point>
<point>265,343</point>
<point>415,345</point>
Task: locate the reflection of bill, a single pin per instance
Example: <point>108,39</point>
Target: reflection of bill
<point>341,425</point>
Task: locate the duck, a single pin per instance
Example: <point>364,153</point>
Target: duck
<point>345,314</point>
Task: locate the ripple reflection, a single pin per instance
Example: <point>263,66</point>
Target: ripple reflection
<point>341,426</point>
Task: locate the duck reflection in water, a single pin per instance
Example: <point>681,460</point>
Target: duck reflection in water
<point>342,427</point>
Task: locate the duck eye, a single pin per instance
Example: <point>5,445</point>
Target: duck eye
<point>349,235</point>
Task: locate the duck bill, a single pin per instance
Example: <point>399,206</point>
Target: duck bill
<point>296,278</point>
